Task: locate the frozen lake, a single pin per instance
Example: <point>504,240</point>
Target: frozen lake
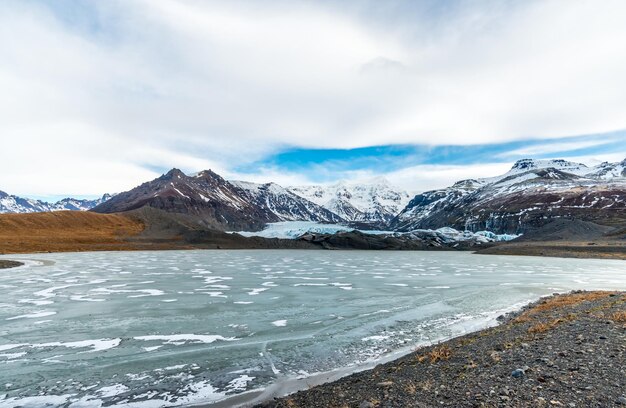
<point>151,329</point>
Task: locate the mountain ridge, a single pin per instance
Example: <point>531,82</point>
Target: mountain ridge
<point>11,204</point>
<point>528,196</point>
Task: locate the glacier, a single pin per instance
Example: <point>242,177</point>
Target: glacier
<point>296,229</point>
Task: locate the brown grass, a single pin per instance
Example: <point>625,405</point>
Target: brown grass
<point>619,317</point>
<point>495,356</point>
<point>66,231</point>
<point>568,300</point>
<point>543,327</point>
<point>410,388</point>
<point>291,403</point>
<point>440,353</point>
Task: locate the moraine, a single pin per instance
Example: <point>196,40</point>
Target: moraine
<point>150,329</point>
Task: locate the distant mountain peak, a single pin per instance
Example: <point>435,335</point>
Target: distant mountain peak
<point>374,202</point>
<point>14,204</point>
<point>532,164</point>
<point>174,173</point>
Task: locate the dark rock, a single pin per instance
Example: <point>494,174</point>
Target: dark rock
<point>518,373</point>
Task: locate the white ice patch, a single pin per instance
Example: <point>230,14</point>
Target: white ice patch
<point>240,383</point>
<point>112,390</point>
<point>34,402</point>
<point>83,298</point>
<point>256,291</point>
<point>184,338</point>
<point>95,345</point>
<point>375,338</point>
<point>36,302</point>
<point>142,292</point>
<point>34,315</point>
<point>175,367</point>
<point>11,356</point>
<point>280,323</point>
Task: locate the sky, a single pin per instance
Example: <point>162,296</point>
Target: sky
<point>100,96</point>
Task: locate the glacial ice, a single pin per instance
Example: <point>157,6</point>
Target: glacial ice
<point>295,229</point>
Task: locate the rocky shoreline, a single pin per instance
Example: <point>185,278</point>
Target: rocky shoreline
<point>562,351</point>
<point>9,264</point>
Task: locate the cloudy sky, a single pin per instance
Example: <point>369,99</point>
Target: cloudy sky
<point>99,96</point>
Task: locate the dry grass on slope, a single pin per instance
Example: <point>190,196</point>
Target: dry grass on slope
<point>66,231</point>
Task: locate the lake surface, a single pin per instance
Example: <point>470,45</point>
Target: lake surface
<point>151,329</point>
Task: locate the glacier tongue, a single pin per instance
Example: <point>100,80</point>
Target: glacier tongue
<point>296,229</point>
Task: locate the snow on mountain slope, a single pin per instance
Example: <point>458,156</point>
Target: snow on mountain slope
<point>286,205</point>
<point>608,171</point>
<point>15,204</point>
<point>531,194</point>
<point>375,202</point>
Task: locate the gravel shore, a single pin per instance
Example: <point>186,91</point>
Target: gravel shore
<point>562,351</point>
<point>9,264</point>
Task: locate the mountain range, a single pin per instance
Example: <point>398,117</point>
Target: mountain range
<point>373,203</point>
<point>531,194</point>
<point>15,204</point>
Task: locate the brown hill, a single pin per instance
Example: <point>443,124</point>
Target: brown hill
<point>66,231</point>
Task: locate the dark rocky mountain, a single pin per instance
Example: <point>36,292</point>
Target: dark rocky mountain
<point>217,203</point>
<point>15,204</point>
<point>530,195</point>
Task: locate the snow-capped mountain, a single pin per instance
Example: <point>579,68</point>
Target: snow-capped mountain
<point>15,204</point>
<point>529,195</point>
<point>286,205</point>
<point>217,203</point>
<point>376,202</point>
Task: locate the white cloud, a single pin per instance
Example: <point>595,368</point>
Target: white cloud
<point>165,83</point>
<point>549,148</point>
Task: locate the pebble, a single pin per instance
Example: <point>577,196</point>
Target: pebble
<point>366,404</point>
<point>520,372</point>
<point>621,400</point>
<point>517,373</point>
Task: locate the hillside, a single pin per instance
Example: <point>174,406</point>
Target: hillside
<point>66,231</point>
